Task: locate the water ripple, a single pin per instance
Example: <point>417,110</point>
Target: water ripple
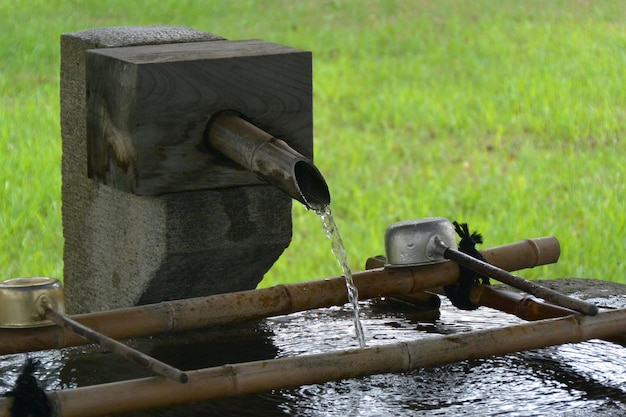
<point>574,379</point>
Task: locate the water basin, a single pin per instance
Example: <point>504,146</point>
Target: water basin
<point>574,379</point>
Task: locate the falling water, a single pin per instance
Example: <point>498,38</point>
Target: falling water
<point>340,253</point>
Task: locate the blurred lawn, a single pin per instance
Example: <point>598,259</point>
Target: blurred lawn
<point>508,115</point>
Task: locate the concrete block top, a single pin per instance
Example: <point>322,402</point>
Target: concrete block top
<point>111,37</point>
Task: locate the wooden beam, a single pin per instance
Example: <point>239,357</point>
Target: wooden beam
<point>148,107</point>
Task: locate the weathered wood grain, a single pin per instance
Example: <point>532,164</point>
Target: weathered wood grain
<point>121,249</point>
<point>148,107</point>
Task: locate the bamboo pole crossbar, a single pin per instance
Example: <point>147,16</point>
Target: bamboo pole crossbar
<point>282,299</point>
<point>261,376</point>
<point>524,306</point>
<point>521,305</point>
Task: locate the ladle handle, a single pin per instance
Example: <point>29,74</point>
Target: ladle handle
<point>519,283</point>
<point>113,345</point>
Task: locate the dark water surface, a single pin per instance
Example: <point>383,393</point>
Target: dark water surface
<point>571,380</point>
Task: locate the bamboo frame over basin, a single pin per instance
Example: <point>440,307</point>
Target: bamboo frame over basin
<point>282,299</point>
<point>261,376</point>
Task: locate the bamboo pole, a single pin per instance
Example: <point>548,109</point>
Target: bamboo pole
<point>269,158</point>
<point>261,376</point>
<point>116,347</point>
<point>524,306</point>
<point>422,299</point>
<point>282,299</point>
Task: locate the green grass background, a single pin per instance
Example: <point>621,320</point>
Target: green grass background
<point>506,114</point>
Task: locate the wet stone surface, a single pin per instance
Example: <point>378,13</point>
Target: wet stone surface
<point>604,294</point>
<point>574,379</point>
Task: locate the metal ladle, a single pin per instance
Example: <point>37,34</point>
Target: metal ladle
<point>432,240</point>
<point>506,277</point>
<point>33,302</point>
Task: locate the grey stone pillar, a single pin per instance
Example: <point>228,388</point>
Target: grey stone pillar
<point>123,249</point>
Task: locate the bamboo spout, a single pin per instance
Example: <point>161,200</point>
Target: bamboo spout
<point>270,158</point>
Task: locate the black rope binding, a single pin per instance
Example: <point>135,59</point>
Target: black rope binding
<point>29,400</point>
<point>458,293</point>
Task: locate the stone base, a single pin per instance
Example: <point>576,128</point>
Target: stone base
<point>605,294</point>
<point>123,249</point>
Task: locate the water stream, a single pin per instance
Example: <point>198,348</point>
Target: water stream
<point>332,231</point>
